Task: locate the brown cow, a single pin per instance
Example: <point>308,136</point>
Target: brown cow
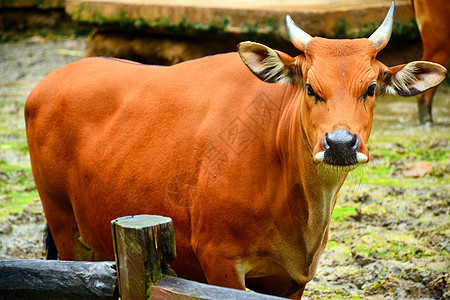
<point>433,20</point>
<point>248,167</point>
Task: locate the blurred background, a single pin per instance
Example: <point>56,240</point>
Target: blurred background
<point>390,231</point>
<point>167,32</point>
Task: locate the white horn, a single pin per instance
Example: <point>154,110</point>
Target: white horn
<point>381,36</point>
<point>298,37</point>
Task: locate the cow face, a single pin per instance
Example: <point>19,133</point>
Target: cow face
<point>339,79</point>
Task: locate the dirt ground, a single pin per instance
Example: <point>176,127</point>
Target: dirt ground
<point>389,237</point>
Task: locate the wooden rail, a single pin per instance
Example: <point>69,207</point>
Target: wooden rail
<point>143,246</point>
<point>52,279</point>
<point>177,288</point>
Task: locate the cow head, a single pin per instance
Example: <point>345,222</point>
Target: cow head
<point>339,79</point>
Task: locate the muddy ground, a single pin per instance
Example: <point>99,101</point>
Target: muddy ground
<point>389,237</point>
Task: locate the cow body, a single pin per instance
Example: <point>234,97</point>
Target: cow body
<point>103,152</point>
<point>433,21</point>
<point>248,167</point>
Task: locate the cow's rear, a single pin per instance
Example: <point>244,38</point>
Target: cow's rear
<point>82,132</point>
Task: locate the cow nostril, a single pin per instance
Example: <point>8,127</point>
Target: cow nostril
<point>355,141</point>
<point>326,145</point>
<point>341,141</point>
<point>340,148</point>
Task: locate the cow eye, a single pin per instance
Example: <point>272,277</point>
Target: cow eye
<point>311,93</point>
<point>310,90</point>
<point>371,90</point>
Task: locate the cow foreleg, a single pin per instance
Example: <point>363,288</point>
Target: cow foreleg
<point>297,295</point>
<point>222,271</point>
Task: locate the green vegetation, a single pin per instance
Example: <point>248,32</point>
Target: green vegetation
<point>341,213</point>
<point>17,187</point>
<point>268,27</point>
<point>401,32</point>
<point>92,15</point>
<point>394,250</point>
<point>42,4</point>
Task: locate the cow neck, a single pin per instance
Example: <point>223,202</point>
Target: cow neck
<point>318,187</point>
<point>311,189</point>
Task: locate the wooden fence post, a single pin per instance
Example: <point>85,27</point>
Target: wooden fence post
<point>143,247</point>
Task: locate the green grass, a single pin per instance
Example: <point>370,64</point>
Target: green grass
<point>12,145</point>
<point>341,213</point>
<point>15,167</point>
<point>328,292</point>
<point>17,188</point>
<point>398,250</point>
<point>15,202</point>
<point>381,176</point>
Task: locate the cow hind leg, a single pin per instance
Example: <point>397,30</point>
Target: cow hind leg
<point>50,247</point>
<point>425,100</point>
<point>63,236</point>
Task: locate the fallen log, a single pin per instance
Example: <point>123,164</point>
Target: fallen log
<point>51,279</point>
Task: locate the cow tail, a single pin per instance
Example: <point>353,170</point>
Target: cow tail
<point>50,247</point>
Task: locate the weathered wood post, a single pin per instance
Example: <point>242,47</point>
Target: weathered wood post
<point>143,246</point>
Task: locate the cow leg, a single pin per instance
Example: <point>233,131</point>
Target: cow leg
<point>425,100</point>
<point>64,229</point>
<point>275,285</point>
<point>298,295</point>
<point>222,271</point>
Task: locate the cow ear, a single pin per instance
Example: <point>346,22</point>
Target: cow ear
<point>411,79</point>
<point>269,65</point>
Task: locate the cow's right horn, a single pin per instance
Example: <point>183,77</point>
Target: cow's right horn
<point>298,37</point>
<point>381,36</point>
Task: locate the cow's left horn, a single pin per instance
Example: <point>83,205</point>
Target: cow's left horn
<point>298,37</point>
<point>381,36</point>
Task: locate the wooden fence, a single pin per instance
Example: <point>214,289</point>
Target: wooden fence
<point>144,246</point>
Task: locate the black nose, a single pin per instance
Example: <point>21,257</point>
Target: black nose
<point>340,147</point>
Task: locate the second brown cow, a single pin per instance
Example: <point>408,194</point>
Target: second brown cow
<point>433,19</point>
